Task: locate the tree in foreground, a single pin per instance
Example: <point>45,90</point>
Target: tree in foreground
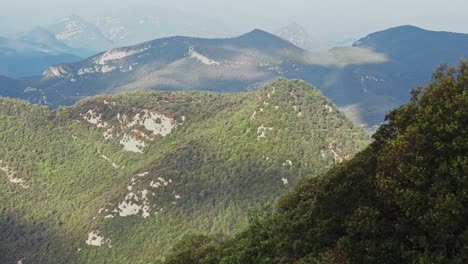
<point>404,199</point>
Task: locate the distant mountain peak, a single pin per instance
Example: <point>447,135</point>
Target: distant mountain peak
<point>298,35</point>
<point>80,34</point>
<point>294,27</point>
<point>258,33</point>
<point>412,27</point>
<point>402,37</point>
<point>39,34</point>
<point>71,17</point>
<point>267,40</point>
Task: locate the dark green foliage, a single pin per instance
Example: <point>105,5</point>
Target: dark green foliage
<point>215,159</point>
<point>193,249</point>
<point>402,200</point>
<point>422,174</point>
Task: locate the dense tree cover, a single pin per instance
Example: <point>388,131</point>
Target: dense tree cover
<point>217,159</point>
<point>402,200</point>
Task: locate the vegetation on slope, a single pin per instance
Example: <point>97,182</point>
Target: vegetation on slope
<point>65,174</point>
<point>402,200</point>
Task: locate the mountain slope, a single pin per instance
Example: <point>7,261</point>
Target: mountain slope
<point>119,178</point>
<point>413,53</point>
<point>365,81</point>
<point>243,63</point>
<point>297,35</point>
<point>176,63</point>
<point>81,35</point>
<point>401,200</point>
<point>33,52</point>
<point>11,86</point>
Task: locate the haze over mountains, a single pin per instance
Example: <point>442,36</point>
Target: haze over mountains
<point>298,35</point>
<point>139,23</point>
<point>366,80</point>
<point>188,133</point>
<point>32,52</point>
<point>81,35</point>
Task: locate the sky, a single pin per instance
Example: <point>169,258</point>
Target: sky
<point>325,19</point>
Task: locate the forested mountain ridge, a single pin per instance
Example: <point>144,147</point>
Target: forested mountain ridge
<point>401,200</point>
<point>365,81</point>
<point>120,178</point>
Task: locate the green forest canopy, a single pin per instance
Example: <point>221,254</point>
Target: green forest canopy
<point>402,200</point>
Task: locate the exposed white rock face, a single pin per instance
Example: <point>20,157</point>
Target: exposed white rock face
<point>153,121</point>
<point>155,184</point>
<point>101,63</point>
<point>133,137</point>
<point>262,130</point>
<point>329,108</point>
<point>337,158</point>
<point>85,71</point>
<point>284,180</point>
<point>159,124</point>
<point>146,208</point>
<point>143,174</point>
<point>107,68</point>
<point>129,69</point>
<point>108,160</point>
<point>95,239</point>
<point>134,203</point>
<point>129,205</point>
<point>94,118</point>
<point>108,134</point>
<point>252,117</point>
<point>12,175</point>
<point>132,144</point>
<point>117,54</point>
<point>52,72</point>
<point>192,53</point>
<point>160,182</point>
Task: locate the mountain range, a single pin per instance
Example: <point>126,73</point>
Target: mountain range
<point>32,52</point>
<point>120,178</point>
<point>189,150</point>
<point>139,23</point>
<point>298,35</point>
<point>237,64</point>
<point>366,80</point>
<point>80,35</point>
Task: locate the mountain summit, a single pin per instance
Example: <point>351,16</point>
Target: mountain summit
<point>80,34</point>
<point>299,36</point>
<point>176,63</point>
